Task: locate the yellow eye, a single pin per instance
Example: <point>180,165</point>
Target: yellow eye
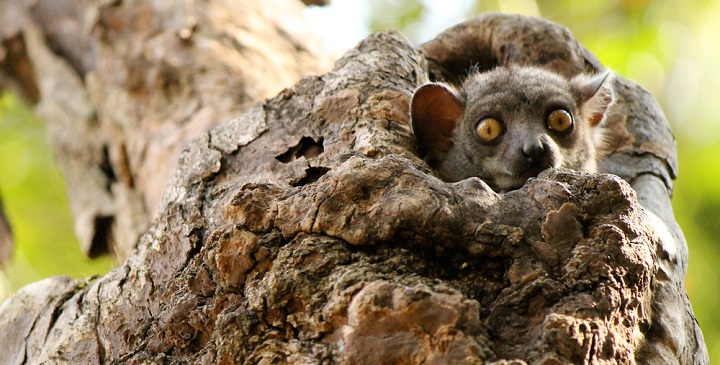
<point>560,121</point>
<point>489,129</point>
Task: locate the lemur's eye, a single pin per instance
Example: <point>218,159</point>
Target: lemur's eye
<point>560,120</point>
<point>489,129</point>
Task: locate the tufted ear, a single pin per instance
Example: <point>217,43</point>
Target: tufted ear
<point>435,112</point>
<point>595,94</point>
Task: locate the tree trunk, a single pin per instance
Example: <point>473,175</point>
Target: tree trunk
<point>308,231</point>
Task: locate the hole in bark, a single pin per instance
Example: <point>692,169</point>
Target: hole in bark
<point>307,147</point>
<point>312,174</point>
<point>101,241</point>
<point>106,168</point>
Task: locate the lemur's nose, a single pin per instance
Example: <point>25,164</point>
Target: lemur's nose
<point>533,148</point>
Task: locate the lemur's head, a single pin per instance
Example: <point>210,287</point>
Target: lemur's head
<point>509,124</point>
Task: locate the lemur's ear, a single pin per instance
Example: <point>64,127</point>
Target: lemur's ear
<point>435,113</point>
<point>595,93</point>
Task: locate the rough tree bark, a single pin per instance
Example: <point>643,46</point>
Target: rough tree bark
<point>308,231</point>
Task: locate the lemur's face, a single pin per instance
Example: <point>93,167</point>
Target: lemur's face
<point>509,124</point>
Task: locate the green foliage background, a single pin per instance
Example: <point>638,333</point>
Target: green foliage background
<point>669,47</point>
